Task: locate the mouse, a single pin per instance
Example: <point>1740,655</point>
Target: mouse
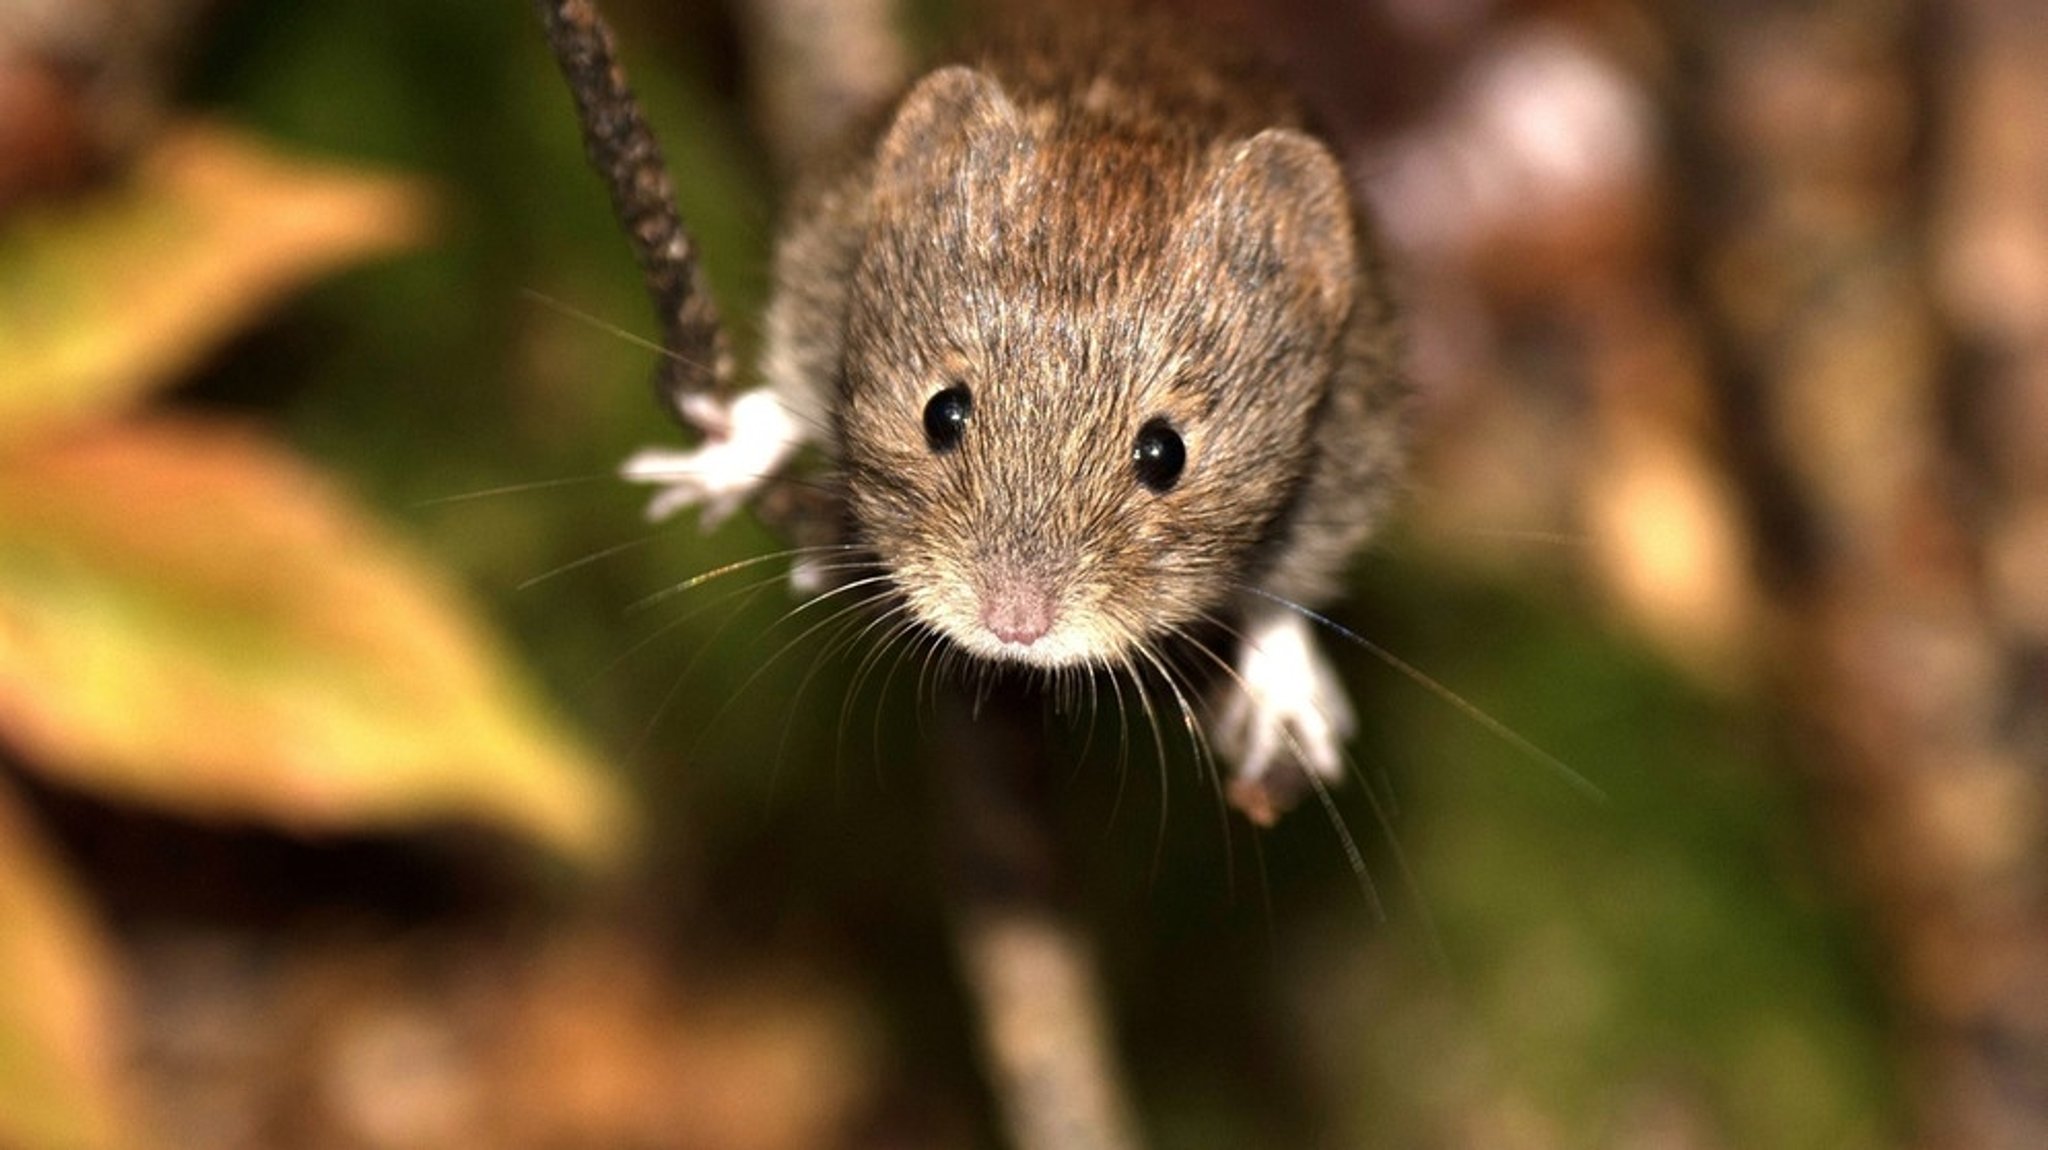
<point>1098,342</point>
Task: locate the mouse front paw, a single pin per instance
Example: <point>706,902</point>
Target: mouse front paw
<point>749,440</point>
<point>1285,720</point>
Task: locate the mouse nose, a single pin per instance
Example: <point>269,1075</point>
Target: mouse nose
<point>1017,611</point>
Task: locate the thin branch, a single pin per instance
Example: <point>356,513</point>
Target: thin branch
<point>1046,1042</point>
<point>623,150</point>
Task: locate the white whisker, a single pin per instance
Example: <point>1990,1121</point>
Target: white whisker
<point>703,577</point>
<point>612,329</point>
<point>1470,709</point>
<point>594,557</point>
<point>512,489</point>
<point>1353,856</point>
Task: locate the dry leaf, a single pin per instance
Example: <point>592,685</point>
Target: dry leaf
<point>192,619</point>
<point>105,298</point>
<point>59,1056</point>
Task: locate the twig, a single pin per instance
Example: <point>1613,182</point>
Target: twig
<point>1045,1041</point>
<point>623,150</point>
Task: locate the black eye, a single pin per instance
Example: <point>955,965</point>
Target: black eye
<point>1159,455</point>
<point>945,417</point>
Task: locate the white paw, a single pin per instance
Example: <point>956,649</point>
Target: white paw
<point>743,446</point>
<point>1287,709</point>
<point>809,575</point>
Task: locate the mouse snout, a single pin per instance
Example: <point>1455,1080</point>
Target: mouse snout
<point>1017,610</point>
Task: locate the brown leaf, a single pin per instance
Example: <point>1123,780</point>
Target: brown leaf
<point>192,619</point>
<point>103,299</point>
<point>59,1054</point>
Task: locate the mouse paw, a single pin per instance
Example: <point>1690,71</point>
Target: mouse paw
<point>1286,718</point>
<point>749,440</point>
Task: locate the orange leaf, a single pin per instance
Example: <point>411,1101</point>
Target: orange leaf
<point>59,1053</point>
<point>103,299</point>
<point>192,619</point>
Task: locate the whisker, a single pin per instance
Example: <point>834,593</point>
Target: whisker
<point>610,328</point>
<point>1209,765</point>
<point>594,557</point>
<point>748,592</point>
<point>895,618</point>
<point>512,489</point>
<point>934,665</point>
<point>1123,723</point>
<point>732,618</point>
<point>937,651</point>
<point>831,648</point>
<point>862,585</point>
<point>1471,710</point>
<point>703,577</point>
<point>1353,856</point>
<point>668,698</point>
<point>847,635</point>
<point>904,648</point>
<point>640,341</point>
<point>1198,738</point>
<point>734,696</point>
<point>892,619</point>
<point>1187,720</point>
<point>1271,917</point>
<point>1159,753</point>
<point>1515,535</point>
<point>1088,729</point>
<point>1377,783</point>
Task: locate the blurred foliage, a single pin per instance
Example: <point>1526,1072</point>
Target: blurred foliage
<point>1552,971</point>
<point>194,622</point>
<point>192,619</point>
<point>123,292</point>
<point>59,1046</point>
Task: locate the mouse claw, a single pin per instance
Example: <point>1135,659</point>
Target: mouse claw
<point>753,437</point>
<point>1286,719</point>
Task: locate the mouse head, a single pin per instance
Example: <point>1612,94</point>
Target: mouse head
<point>1084,361</point>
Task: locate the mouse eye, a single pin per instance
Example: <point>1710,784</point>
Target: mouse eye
<point>1159,455</point>
<point>945,417</point>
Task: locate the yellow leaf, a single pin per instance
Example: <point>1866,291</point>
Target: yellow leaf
<point>59,1051</point>
<point>192,619</point>
<point>105,298</point>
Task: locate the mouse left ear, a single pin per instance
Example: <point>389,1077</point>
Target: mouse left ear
<point>956,126</point>
<point>1277,210</point>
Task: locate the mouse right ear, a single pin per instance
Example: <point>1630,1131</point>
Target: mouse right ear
<point>1276,211</point>
<point>955,125</point>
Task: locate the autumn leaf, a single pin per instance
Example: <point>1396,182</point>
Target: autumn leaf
<point>58,1054</point>
<point>104,298</point>
<point>192,619</point>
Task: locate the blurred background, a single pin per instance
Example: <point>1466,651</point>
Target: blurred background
<point>369,778</point>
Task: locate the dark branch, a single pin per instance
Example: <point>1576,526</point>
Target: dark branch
<point>623,150</point>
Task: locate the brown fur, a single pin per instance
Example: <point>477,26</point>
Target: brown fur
<point>1096,223</point>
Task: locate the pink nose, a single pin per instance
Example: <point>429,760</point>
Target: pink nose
<point>1017,613</point>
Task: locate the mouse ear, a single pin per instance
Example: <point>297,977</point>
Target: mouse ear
<point>955,123</point>
<point>1276,206</point>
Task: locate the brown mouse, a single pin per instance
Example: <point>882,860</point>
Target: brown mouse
<point>1096,334</point>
